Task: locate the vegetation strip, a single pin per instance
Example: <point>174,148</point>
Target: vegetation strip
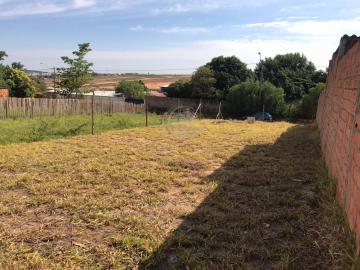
<point>45,128</point>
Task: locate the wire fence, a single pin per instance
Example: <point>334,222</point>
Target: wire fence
<point>37,107</point>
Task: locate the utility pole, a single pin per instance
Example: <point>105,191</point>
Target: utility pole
<point>55,79</point>
<point>92,113</point>
<point>262,90</point>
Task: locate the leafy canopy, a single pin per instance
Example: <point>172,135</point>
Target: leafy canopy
<point>180,89</point>
<point>3,55</point>
<point>17,65</point>
<point>132,89</point>
<point>244,99</point>
<point>20,84</point>
<point>203,84</point>
<point>78,73</point>
<point>293,72</point>
<point>228,71</point>
<point>307,107</point>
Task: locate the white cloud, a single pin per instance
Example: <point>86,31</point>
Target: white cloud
<point>184,30</point>
<point>83,3</point>
<point>136,28</point>
<point>313,28</point>
<point>20,8</point>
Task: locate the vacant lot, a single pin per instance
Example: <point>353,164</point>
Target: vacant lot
<point>109,82</point>
<point>204,195</point>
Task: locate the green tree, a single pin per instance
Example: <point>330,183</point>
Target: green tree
<point>307,107</point>
<point>244,99</point>
<point>203,84</point>
<point>319,76</point>
<point>78,73</point>
<point>228,71</point>
<point>40,85</point>
<point>19,83</point>
<point>17,65</point>
<point>180,88</point>
<point>292,72</point>
<point>3,55</point>
<point>132,89</point>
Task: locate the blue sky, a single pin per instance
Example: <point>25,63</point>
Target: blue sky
<point>172,36</point>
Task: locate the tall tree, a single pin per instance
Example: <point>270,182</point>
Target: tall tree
<point>292,72</point>
<point>203,84</point>
<point>244,99</point>
<point>3,84</point>
<point>228,71</point>
<point>78,73</point>
<point>3,55</point>
<point>17,65</point>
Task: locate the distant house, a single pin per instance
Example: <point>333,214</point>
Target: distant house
<point>37,73</point>
<point>164,88</point>
<point>157,94</point>
<point>4,93</point>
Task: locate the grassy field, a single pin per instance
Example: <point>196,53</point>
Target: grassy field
<point>44,128</point>
<point>203,195</point>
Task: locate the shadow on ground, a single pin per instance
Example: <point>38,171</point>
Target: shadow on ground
<point>273,208</point>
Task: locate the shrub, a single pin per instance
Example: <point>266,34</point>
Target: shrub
<point>132,89</point>
<point>180,88</point>
<point>19,82</point>
<point>245,99</point>
<point>307,107</point>
<point>40,85</point>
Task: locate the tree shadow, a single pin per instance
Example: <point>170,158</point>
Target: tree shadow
<point>264,214</point>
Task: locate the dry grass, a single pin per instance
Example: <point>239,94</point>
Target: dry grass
<point>210,195</point>
<point>109,82</point>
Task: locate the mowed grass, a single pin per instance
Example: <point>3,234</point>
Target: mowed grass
<point>45,128</point>
<point>201,195</point>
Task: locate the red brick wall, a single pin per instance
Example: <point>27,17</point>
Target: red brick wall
<point>338,119</point>
<point>4,93</point>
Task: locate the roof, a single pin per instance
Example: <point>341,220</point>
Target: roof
<point>157,94</point>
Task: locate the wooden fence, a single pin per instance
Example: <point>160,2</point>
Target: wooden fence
<point>33,107</point>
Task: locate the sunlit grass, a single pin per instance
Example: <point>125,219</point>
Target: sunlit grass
<point>220,196</point>
<point>54,127</point>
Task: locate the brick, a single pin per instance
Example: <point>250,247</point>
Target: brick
<point>340,140</point>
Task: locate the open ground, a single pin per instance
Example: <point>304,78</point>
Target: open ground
<point>201,195</point>
<point>109,82</point>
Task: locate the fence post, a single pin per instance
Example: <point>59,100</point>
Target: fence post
<point>92,114</point>
<point>6,108</point>
<point>146,111</point>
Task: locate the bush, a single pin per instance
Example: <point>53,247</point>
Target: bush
<point>179,89</point>
<point>307,107</point>
<point>2,77</point>
<point>19,82</point>
<point>40,85</point>
<point>244,99</point>
<point>132,89</point>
